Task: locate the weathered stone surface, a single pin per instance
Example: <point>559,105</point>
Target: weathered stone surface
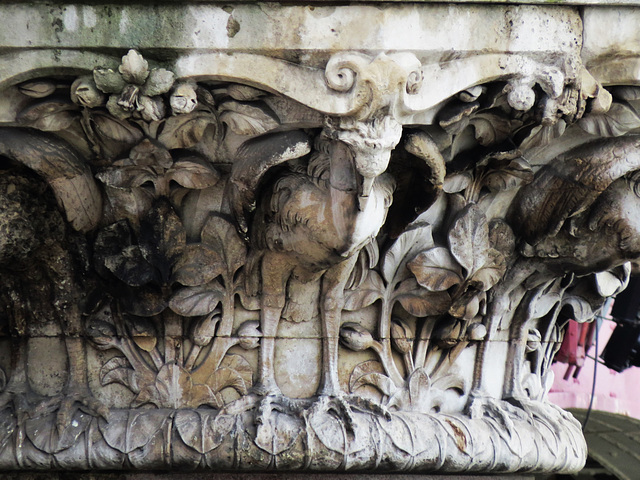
<point>326,238</point>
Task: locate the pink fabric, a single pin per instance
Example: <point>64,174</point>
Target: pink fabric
<point>615,392</point>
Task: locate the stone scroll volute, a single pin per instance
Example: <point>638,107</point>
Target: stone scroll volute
<point>371,275</point>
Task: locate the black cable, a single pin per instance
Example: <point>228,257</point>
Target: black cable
<point>593,386</point>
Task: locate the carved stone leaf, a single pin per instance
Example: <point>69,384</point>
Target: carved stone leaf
<point>145,301</point>
<point>174,388</point>
<point>244,92</point>
<point>128,430</point>
<point>203,430</point>
<point>466,306</point>
<point>195,301</point>
<point>248,119</point>
<point>198,264</point>
<point>469,239</point>
<point>3,379</point>
<point>543,135</point>
<point>184,131</point>
<point>224,377</point>
<point>192,175</point>
<point>371,290</point>
<point>330,430</point>
<point>419,386</point>
<point>457,182</point>
<point>490,273</point>
<point>131,267</point>
<point>363,369</point>
<point>118,370</point>
<point>582,309</point>
<point>436,270</point>
<point>491,128</point>
<point>620,119</point>
<point>8,426</point>
<point>278,433</point>
<point>114,136</point>
<point>127,177</point>
<point>406,434</point>
<point>406,246</point>
<point>239,365</point>
<point>49,116</point>
<point>420,302</point>
<point>43,431</point>
<point>162,238</point>
<point>517,172</point>
<point>221,235</point>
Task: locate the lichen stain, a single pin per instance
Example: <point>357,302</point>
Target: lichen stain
<point>461,439</point>
<point>233,27</point>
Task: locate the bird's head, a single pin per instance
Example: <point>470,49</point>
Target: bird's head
<point>370,143</point>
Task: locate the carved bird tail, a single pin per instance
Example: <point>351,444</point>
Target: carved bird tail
<point>68,175</point>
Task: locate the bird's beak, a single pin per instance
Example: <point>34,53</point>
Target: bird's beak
<point>365,190</point>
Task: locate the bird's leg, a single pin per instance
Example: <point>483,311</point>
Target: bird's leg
<point>67,310</point>
<point>77,388</point>
<point>331,396</point>
<point>276,270</point>
<point>270,317</point>
<point>17,388</point>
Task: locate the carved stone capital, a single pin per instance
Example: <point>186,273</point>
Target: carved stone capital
<point>251,244</point>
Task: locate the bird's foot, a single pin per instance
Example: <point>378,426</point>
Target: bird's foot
<point>279,403</point>
<point>19,400</point>
<point>67,404</point>
<point>368,406</point>
<point>339,405</point>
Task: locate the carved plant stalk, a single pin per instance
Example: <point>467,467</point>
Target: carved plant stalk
<point>386,353</point>
<point>224,341</point>
<point>423,343</point>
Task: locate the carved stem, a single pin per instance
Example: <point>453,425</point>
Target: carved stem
<point>386,355</point>
<point>423,342</point>
<point>223,341</point>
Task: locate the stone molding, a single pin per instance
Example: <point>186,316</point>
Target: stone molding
<point>232,240</point>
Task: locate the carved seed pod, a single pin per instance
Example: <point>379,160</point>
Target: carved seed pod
<point>183,99</point>
<point>249,334</point>
<point>37,89</point>
<point>476,332</point>
<point>355,337</point>
<point>85,92</point>
<point>151,108</point>
<point>401,336</point>
<point>533,340</point>
<point>143,333</point>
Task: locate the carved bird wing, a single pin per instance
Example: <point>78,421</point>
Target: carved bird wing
<point>253,159</point>
<point>68,175</point>
<point>570,185</point>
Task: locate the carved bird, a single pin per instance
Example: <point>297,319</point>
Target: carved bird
<point>313,220</point>
<point>581,212</point>
<point>40,270</point>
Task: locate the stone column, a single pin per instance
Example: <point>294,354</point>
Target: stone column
<point>258,237</point>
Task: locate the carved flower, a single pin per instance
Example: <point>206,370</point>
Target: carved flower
<point>134,88</point>
<point>183,99</point>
